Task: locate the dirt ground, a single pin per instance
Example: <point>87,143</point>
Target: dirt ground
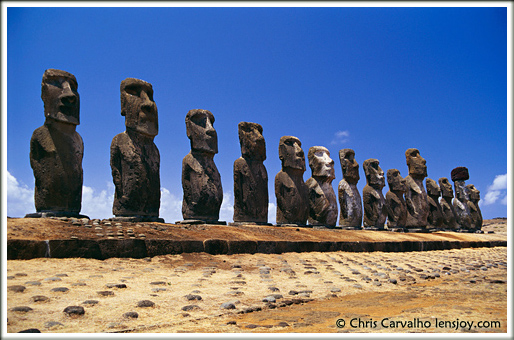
<point>456,291</point>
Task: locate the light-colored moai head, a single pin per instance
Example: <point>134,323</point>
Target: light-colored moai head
<point>374,174</point>
<point>395,181</point>
<point>446,187</point>
<point>432,188</point>
<point>60,97</point>
<point>201,132</point>
<point>253,145</point>
<point>320,162</point>
<point>474,193</point>
<point>349,166</point>
<point>138,107</point>
<point>416,163</point>
<point>290,153</point>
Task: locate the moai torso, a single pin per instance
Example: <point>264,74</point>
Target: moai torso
<point>474,208</point>
<point>447,210</point>
<point>201,181</point>
<point>350,200</point>
<point>460,202</point>
<point>290,190</point>
<point>416,196</point>
<point>250,176</point>
<point>435,214</point>
<point>322,198</point>
<point>135,159</point>
<point>56,149</point>
<point>395,201</point>
<point>375,209</point>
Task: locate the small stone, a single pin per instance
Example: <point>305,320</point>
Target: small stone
<point>269,299</point>
<point>74,237</point>
<point>190,297</point>
<point>393,281</point>
<point>274,289</point>
<point>156,290</point>
<point>282,324</point>
<point>335,290</point>
<point>131,315</point>
<point>74,310</point>
<point>158,283</point>
<point>190,308</point>
<point>39,298</point>
<point>105,293</point>
<point>16,288</point>
<point>231,323</point>
<point>20,274</point>
<point>30,330</point>
<point>251,326</point>
<point>145,303</point>
<point>52,324</point>
<point>228,305</point>
<point>78,284</point>
<point>90,302</point>
<point>52,279</point>
<point>116,285</point>
<point>23,309</point>
<point>60,289</point>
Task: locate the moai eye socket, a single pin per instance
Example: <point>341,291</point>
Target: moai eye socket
<point>133,90</point>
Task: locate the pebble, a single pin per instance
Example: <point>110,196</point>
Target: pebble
<point>51,324</point>
<point>190,297</point>
<point>131,315</point>
<point>90,302</point>
<point>105,293</point>
<point>393,281</point>
<point>78,284</point>
<point>158,283</point>
<point>16,288</point>
<point>30,330</point>
<point>24,309</point>
<point>156,290</point>
<point>228,305</point>
<point>145,303</point>
<point>269,299</point>
<point>190,308</point>
<point>282,324</point>
<point>52,279</point>
<point>39,298</point>
<point>274,289</point>
<point>116,285</point>
<point>335,290</point>
<point>74,310</point>
<point>60,289</point>
<point>20,274</point>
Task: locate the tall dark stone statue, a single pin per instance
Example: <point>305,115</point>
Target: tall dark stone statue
<point>290,190</point>
<point>416,196</point>
<point>201,181</point>
<point>350,199</point>
<point>474,208</point>
<point>460,203</point>
<point>56,149</point>
<point>250,177</point>
<point>135,159</point>
<point>322,198</point>
<point>395,201</point>
<point>435,213</point>
<point>375,208</point>
<point>449,217</point>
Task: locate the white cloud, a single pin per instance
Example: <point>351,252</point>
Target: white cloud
<point>171,207</point>
<point>97,205</point>
<point>272,213</point>
<point>227,208</point>
<point>497,190</point>
<point>20,199</point>
<point>340,137</point>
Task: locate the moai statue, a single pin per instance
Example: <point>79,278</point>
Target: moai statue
<point>460,203</point>
<point>201,181</point>
<point>349,197</point>
<point>474,209</point>
<point>416,196</point>
<point>135,159</point>
<point>395,201</point>
<point>449,217</point>
<point>56,149</point>
<point>250,177</point>
<point>290,190</point>
<point>375,208</point>
<point>322,198</point>
<point>435,213</point>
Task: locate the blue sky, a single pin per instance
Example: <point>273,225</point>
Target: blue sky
<point>378,80</point>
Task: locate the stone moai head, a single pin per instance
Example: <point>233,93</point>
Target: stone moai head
<point>138,107</point>
<point>349,166</point>
<point>60,97</point>
<point>432,188</point>
<point>395,181</point>
<point>416,163</point>
<point>290,153</point>
<point>446,187</point>
<point>374,174</point>
<point>459,175</point>
<point>200,130</point>
<point>253,145</point>
<point>320,162</point>
<point>474,193</point>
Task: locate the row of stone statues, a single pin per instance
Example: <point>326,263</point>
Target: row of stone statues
<point>56,152</point>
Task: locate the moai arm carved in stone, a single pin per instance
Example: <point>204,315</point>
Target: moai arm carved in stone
<point>449,218</point>
<point>135,159</point>
<point>375,209</point>
<point>474,208</point>
<point>416,196</point>
<point>350,199</point>
<point>395,201</point>
<point>322,198</point>
<point>201,181</point>
<point>290,189</point>
<point>435,214</point>
<point>56,149</point>
<point>460,203</point>
<point>250,176</point>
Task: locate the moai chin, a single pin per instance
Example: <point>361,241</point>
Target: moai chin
<point>460,203</point>
<point>322,198</point>
<point>250,177</point>
<point>416,196</point>
<point>474,208</point>
<point>435,213</point>
<point>350,199</point>
<point>447,209</point>
<point>135,159</point>
<point>395,201</point>
<point>201,181</point>
<point>290,190</point>
<point>375,208</point>
<point>56,149</point>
